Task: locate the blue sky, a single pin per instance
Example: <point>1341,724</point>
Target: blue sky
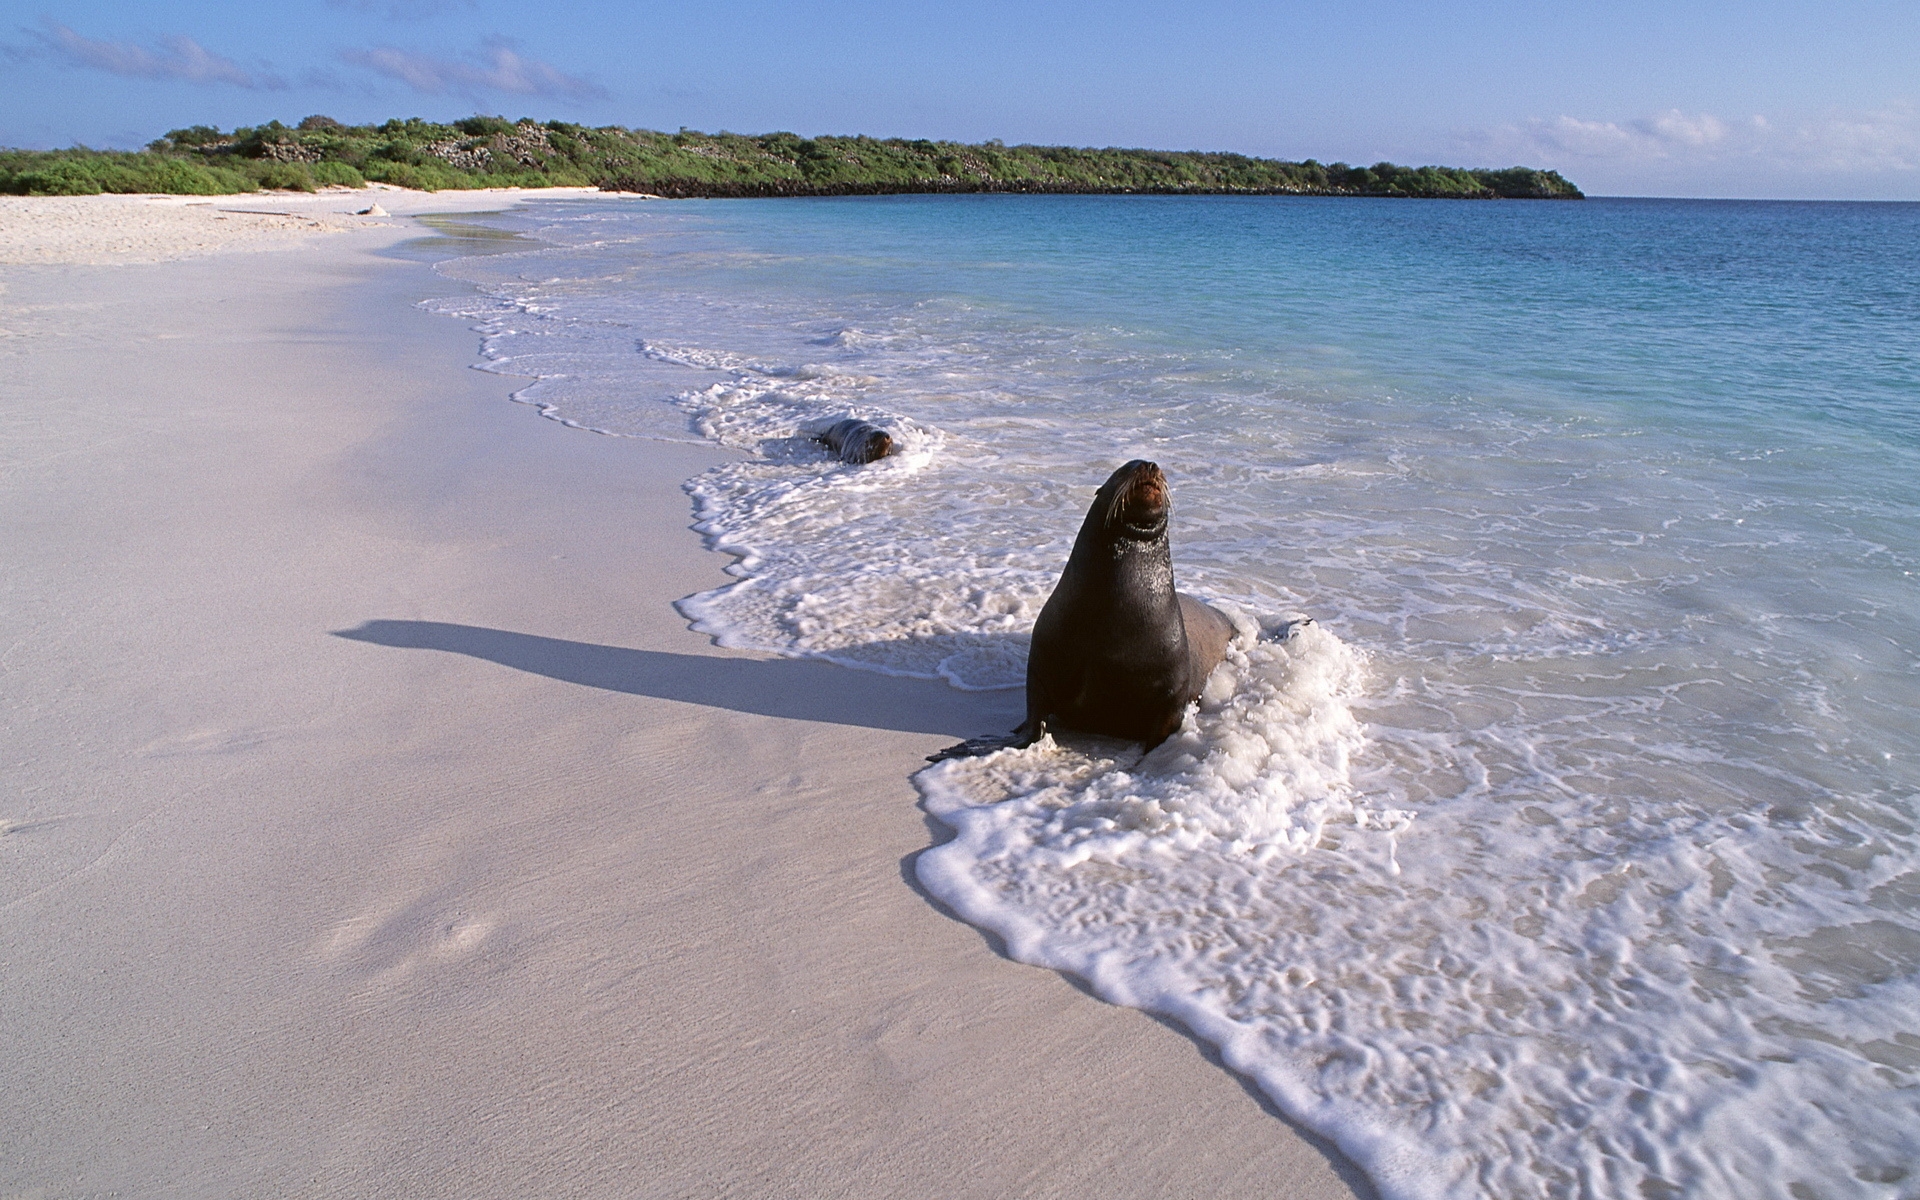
<point>1783,99</point>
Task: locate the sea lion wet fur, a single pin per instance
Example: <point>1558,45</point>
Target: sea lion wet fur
<point>856,441</point>
<point>1117,650</point>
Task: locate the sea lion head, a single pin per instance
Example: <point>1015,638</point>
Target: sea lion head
<point>856,441</point>
<point>1133,502</point>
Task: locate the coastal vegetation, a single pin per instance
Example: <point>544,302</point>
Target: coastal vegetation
<point>485,151</point>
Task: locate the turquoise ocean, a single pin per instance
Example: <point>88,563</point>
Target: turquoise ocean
<point>1573,848</point>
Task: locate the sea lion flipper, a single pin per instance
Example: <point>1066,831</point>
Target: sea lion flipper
<point>1208,634</point>
<point>1028,733</point>
<point>974,747</point>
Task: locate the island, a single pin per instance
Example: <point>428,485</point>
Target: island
<point>484,151</point>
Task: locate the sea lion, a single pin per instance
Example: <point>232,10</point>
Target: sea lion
<point>856,441</point>
<point>1117,651</point>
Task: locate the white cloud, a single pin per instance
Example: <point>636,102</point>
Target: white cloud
<point>1675,128</point>
<point>177,57</point>
<point>496,67</point>
<point>1879,140</point>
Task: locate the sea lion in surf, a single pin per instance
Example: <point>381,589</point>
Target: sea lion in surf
<point>1117,651</point>
<point>856,441</point>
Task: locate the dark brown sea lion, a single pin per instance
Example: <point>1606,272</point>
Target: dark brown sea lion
<point>856,441</point>
<point>1117,650</point>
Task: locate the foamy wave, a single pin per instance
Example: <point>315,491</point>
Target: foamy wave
<point>1559,1022</point>
<point>1260,765</point>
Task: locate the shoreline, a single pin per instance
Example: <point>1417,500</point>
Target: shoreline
<point>119,230</point>
<point>382,829</point>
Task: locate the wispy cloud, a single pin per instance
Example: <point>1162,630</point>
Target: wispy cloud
<point>175,57</point>
<point>402,10</point>
<point>1886,139</point>
<point>495,67</point>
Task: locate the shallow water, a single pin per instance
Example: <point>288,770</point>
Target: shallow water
<point>1571,850</point>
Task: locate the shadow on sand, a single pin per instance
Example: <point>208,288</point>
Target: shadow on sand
<point>798,688</point>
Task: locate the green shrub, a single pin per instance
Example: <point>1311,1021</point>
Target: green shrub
<point>425,176</point>
<point>292,177</point>
<point>337,173</point>
<point>195,135</point>
<point>191,179</point>
<point>478,126</point>
<point>201,159</point>
<point>114,175</point>
<point>62,178</point>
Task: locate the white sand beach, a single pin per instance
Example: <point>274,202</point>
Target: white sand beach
<point>372,825</point>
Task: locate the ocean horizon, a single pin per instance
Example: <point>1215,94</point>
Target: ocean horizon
<point>1573,847</point>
